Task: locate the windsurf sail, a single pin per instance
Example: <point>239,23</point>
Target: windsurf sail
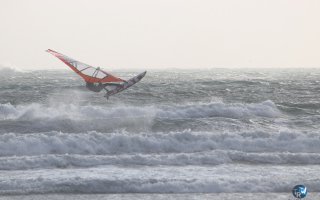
<point>88,73</point>
<point>97,79</point>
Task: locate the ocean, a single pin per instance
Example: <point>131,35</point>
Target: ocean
<point>177,134</point>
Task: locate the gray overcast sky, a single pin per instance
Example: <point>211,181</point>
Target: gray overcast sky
<point>161,33</point>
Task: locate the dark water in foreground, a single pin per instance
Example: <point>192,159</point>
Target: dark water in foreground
<point>212,196</point>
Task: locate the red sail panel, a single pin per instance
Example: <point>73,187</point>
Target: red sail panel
<point>88,73</point>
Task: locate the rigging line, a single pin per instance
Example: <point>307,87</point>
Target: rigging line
<point>95,73</point>
<point>82,70</point>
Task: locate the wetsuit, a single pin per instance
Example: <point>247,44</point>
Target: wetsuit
<point>94,87</point>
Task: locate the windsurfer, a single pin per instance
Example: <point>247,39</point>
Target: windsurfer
<point>97,79</point>
<point>95,87</point>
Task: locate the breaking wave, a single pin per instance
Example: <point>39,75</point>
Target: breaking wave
<point>179,142</point>
<point>6,71</point>
<point>214,157</point>
<point>56,149</point>
<point>75,112</point>
<point>78,118</point>
<point>217,134</point>
<point>107,180</point>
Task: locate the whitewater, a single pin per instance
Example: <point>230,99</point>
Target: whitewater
<point>209,134</point>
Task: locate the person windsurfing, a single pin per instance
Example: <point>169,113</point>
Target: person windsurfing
<point>95,87</point>
<point>97,79</point>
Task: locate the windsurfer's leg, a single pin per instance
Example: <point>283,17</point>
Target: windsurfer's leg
<point>105,86</point>
<point>89,86</point>
<point>93,87</point>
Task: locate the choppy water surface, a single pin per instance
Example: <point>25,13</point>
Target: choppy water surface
<point>219,130</point>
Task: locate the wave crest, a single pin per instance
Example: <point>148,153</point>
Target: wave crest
<point>94,143</point>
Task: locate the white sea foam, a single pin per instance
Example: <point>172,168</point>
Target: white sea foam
<point>94,143</point>
<point>220,109</point>
<point>8,70</point>
<point>33,118</point>
<point>76,112</point>
<point>160,179</point>
<point>164,136</point>
<point>214,157</point>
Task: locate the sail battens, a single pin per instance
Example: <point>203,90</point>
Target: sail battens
<point>88,73</point>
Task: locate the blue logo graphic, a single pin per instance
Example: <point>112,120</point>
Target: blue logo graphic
<point>299,191</point>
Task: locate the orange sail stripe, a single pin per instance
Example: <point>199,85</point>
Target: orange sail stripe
<point>88,73</point>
